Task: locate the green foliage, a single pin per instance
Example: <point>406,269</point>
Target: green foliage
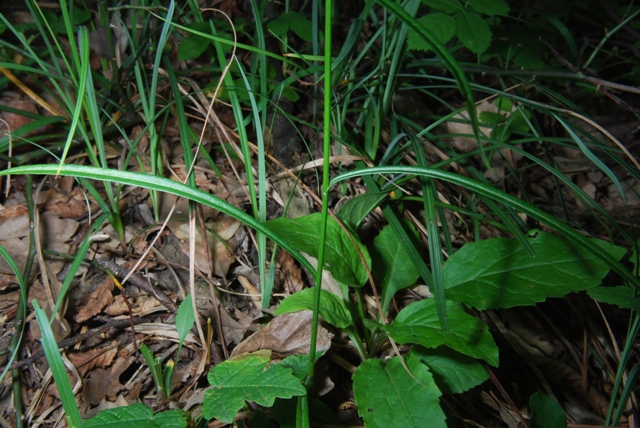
<point>138,415</point>
<point>622,296</point>
<point>462,19</point>
<point>234,381</point>
<point>343,249</point>
<point>194,45</point>
<point>58,370</point>
<point>418,323</point>
<point>356,209</point>
<point>163,377</point>
<point>500,273</point>
<point>332,308</point>
<point>388,396</point>
<point>294,21</point>
<point>391,264</point>
<point>546,412</point>
<point>453,372</point>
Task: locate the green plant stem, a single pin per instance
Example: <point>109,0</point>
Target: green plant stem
<point>21,313</point>
<point>325,191</point>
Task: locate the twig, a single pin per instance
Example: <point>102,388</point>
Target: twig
<point>79,338</point>
<point>138,281</point>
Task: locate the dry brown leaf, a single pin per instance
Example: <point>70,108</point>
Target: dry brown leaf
<point>234,330</point>
<point>105,382</point>
<point>13,211</point>
<point>96,301</point>
<point>219,252</point>
<point>141,305</point>
<point>285,335</point>
<point>70,205</point>
<point>16,121</point>
<point>55,233</point>
<point>291,274</point>
<point>97,357</point>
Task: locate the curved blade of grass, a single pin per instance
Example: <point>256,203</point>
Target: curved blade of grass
<point>589,154</point>
<point>441,51</point>
<point>505,198</point>
<point>435,247</point>
<point>23,299</point>
<point>54,359</point>
<point>77,261</point>
<point>159,184</point>
<point>83,38</point>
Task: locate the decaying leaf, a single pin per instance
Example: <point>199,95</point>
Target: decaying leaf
<point>96,301</point>
<point>96,357</point>
<point>285,335</point>
<point>219,253</point>
<point>55,233</point>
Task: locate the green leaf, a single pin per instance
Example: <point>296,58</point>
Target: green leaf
<point>418,323</point>
<point>155,367</point>
<point>491,118</point>
<point>194,45</point>
<point>58,370</point>
<point>185,318</point>
<point>448,6</point>
<point>391,265</point>
<point>473,32</point>
<point>233,382</point>
<point>332,308</point>
<point>490,7</point>
<point>546,412</point>
<point>388,396</point>
<point>139,416</point>
<point>442,26</point>
<point>341,257</point>
<point>453,372</point>
<point>354,211</point>
<point>621,296</point>
<point>294,21</point>
<point>499,273</point>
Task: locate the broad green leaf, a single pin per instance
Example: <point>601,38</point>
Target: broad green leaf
<point>391,265</point>
<point>294,21</point>
<point>473,31</point>
<point>233,382</point>
<point>490,7</point>
<point>418,323</point>
<point>491,118</point>
<point>388,396</point>
<point>332,308</point>
<point>194,45</point>
<point>356,209</point>
<point>499,273</point>
<point>139,416</point>
<point>453,372</point>
<point>341,257</point>
<point>185,318</point>
<point>448,6</point>
<point>442,26</point>
<point>621,296</point>
<point>546,412</point>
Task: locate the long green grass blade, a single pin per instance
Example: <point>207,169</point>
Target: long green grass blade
<point>58,370</point>
<point>160,184</point>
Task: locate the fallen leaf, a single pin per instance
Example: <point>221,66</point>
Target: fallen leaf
<point>96,357</point>
<point>218,251</point>
<point>284,335</point>
<point>96,301</point>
